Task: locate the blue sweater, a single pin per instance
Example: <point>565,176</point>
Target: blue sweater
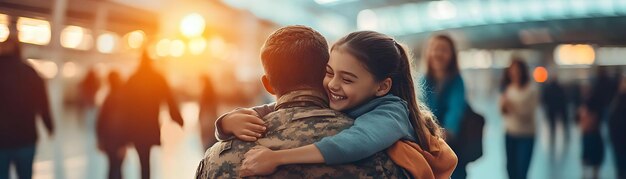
<point>378,124</point>
<point>448,104</point>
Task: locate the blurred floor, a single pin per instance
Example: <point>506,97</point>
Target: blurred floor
<point>181,149</point>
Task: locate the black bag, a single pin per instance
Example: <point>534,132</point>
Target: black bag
<point>468,144</point>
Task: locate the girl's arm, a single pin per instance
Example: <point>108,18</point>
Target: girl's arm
<point>372,132</point>
<point>261,160</point>
<point>240,117</point>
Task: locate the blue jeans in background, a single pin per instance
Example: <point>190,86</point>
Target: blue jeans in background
<point>21,157</point>
<point>519,151</point>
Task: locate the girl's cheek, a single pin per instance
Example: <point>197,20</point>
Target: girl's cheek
<point>326,81</point>
<point>347,90</point>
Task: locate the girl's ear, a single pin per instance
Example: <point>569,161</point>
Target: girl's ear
<point>384,87</point>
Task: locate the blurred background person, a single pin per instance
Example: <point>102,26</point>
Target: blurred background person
<point>444,91</point>
<point>88,88</point>
<point>208,113</point>
<point>517,104</point>
<point>111,127</point>
<point>144,92</point>
<point>603,90</point>
<point>617,129</point>
<point>592,144</point>
<point>591,114</point>
<point>555,103</point>
<point>23,97</point>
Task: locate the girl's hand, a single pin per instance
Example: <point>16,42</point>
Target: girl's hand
<point>259,161</point>
<point>243,124</point>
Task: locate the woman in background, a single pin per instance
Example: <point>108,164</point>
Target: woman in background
<point>518,102</point>
<point>444,91</point>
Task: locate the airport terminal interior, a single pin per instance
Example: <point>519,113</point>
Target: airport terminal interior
<point>571,52</point>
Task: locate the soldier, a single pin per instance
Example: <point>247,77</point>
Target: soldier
<point>294,59</point>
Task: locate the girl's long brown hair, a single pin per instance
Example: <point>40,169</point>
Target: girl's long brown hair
<point>385,58</point>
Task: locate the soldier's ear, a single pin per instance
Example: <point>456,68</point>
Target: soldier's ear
<point>266,84</point>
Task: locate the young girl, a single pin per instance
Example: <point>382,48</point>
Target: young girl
<point>368,77</point>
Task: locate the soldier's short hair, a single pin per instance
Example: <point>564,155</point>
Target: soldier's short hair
<point>295,57</point>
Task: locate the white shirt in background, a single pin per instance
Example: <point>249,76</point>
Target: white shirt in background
<point>520,118</point>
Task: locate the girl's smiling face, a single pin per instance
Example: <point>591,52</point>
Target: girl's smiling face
<point>347,81</point>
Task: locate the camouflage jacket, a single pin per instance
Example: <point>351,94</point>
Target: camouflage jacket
<point>301,118</point>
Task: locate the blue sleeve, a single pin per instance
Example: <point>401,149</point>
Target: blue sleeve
<point>372,132</point>
<point>456,107</point>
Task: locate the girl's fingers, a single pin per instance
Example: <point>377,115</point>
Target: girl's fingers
<point>247,111</point>
<point>246,138</point>
<point>250,133</point>
<point>256,128</point>
<point>256,120</point>
<point>244,173</point>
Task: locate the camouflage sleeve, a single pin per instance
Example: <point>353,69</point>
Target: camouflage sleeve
<point>200,170</point>
<point>307,126</point>
<point>376,166</point>
<point>291,128</point>
<point>223,159</point>
<point>220,161</point>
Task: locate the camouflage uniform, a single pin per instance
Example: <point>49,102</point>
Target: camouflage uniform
<point>301,118</point>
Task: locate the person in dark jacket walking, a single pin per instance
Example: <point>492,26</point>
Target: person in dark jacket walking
<point>208,113</point>
<point>23,96</point>
<point>88,89</point>
<point>617,132</point>
<point>555,104</point>
<point>111,127</point>
<point>144,93</point>
<point>591,115</point>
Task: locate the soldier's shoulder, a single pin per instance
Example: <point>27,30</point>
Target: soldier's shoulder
<point>223,159</point>
<point>306,112</point>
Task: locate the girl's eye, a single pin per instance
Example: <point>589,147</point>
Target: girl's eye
<point>328,73</point>
<point>347,81</point>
